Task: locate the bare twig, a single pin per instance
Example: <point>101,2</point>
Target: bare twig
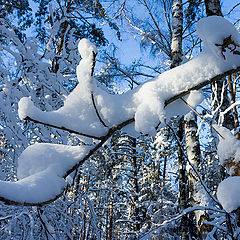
<point>202,117</point>
<point>63,128</point>
<point>196,171</point>
<point>98,115</point>
<point>44,224</point>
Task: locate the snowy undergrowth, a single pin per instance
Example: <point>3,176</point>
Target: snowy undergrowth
<point>91,111</point>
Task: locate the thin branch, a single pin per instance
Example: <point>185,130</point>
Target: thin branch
<point>92,97</point>
<point>62,128</point>
<point>44,224</point>
<point>98,115</point>
<point>155,23</point>
<point>196,171</point>
<point>111,131</point>
<point>211,126</point>
<point>233,8</point>
<point>184,212</point>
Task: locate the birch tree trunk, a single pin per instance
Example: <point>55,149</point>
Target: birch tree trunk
<point>213,7</point>
<point>232,91</point>
<point>183,183</point>
<point>195,188</point>
<point>176,57</point>
<point>177,31</point>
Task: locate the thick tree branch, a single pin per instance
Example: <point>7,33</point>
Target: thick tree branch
<point>202,84</point>
<point>110,132</point>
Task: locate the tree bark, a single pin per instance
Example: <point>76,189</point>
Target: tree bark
<point>177,32</point>
<point>176,57</point>
<point>213,7</point>
<point>195,187</point>
<point>232,90</point>
<point>110,221</point>
<point>183,183</point>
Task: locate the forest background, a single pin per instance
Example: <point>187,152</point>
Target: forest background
<point>143,187</point>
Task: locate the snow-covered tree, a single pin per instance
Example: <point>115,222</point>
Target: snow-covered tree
<point>65,161</point>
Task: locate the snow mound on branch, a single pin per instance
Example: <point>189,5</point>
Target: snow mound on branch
<point>146,103</point>
<point>213,30</point>
<point>228,148</point>
<point>85,48</point>
<point>228,193</point>
<point>41,168</point>
<point>54,157</point>
<point>25,105</point>
<point>78,112</point>
<point>37,188</point>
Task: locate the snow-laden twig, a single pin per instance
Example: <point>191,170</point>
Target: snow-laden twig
<point>184,212</point>
<point>208,191</point>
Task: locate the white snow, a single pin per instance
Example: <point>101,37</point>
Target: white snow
<point>228,193</point>
<point>25,105</point>
<point>41,168</point>
<point>37,188</point>
<point>228,148</point>
<point>54,157</point>
<point>212,30</point>
<point>146,102</point>
<point>85,48</point>
<point>78,112</point>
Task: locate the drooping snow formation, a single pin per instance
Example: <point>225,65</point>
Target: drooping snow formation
<point>213,30</point>
<point>52,157</point>
<point>228,150</point>
<point>41,168</point>
<point>228,193</point>
<point>78,111</point>
<point>88,103</point>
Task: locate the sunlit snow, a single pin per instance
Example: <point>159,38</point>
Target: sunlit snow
<point>43,163</point>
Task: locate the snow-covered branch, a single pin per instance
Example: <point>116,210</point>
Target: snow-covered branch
<point>90,111</point>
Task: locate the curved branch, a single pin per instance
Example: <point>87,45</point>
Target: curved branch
<point>62,128</point>
<point>96,110</point>
<point>39,204</point>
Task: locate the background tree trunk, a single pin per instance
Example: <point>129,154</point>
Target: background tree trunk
<point>176,57</point>
<point>195,187</point>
